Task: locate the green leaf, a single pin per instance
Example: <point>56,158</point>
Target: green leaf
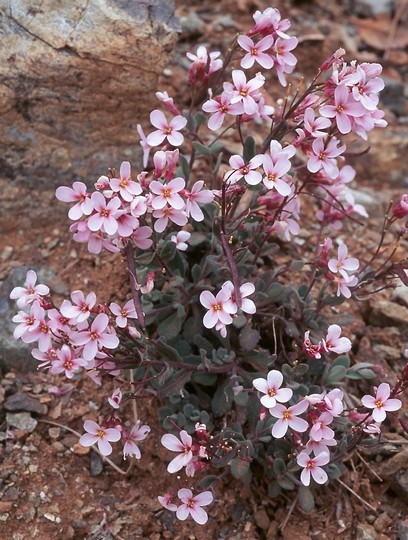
<point>249,149</point>
<point>196,272</point>
<point>275,292</point>
<point>249,338</point>
<point>286,483</point>
<point>274,489</point>
<point>342,361</point>
<point>336,374</point>
<point>241,399</point>
<point>306,499</point>
<point>208,481</point>
<point>333,300</point>
<point>166,350</point>
<point>170,327</point>
<point>279,466</point>
<point>333,471</point>
<point>200,119</point>
<point>239,468</point>
<point>296,266</point>
<point>205,379</point>
<point>206,150</point>
<point>168,251</point>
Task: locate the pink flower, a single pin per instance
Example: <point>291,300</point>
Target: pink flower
<point>105,214</point>
<point>246,92</point>
<point>166,501</point>
<point>334,342</point>
<point>285,61</point>
<point>343,264</point>
<point>168,102</point>
<point>149,283</point>
<point>220,106</point>
<point>125,185</point>
<point>312,467</point>
<point>288,418</point>
<point>137,433</point>
<point>81,310</point>
<point>274,173</point>
<point>67,362</point>
<point>203,65</point>
<point>343,283</point>
<point>314,125</point>
<point>167,194</point>
<point>324,156</point>
<point>27,322</point>
<point>166,130</point>
<point>195,196</point>
<point>271,388</point>
<point>320,429</point>
<point>312,351</point>
<point>163,216</point>
<point>115,399</point>
<point>256,52</point>
<point>141,237</point>
<point>246,289</point>
<point>246,170</point>
<point>381,402</point>
<point>30,292</point>
<point>344,107</point>
<point>171,442</point>
<point>96,338</point>
<point>220,309</point>
<point>41,331</point>
<point>123,314</point>
<point>100,435</point>
<point>193,505</point>
<point>180,240</point>
<point>144,144</point>
<point>77,194</point>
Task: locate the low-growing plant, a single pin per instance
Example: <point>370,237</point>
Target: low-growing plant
<point>230,322</point>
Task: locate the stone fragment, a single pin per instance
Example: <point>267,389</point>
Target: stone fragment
<point>365,531</point>
<point>400,485</point>
<point>393,465</point>
<point>23,421</point>
<point>261,519</point>
<point>192,26</point>
<point>76,77</point>
<point>382,523</point>
<point>402,528</point>
<point>393,95</point>
<point>385,313</point>
<point>96,464</point>
<point>23,402</point>
<point>370,8</point>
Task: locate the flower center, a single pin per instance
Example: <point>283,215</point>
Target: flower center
<point>243,92</point>
<point>100,434</point>
<point>190,503</point>
<point>104,213</point>
<point>286,415</point>
<point>379,403</point>
<point>217,307</point>
<point>166,193</point>
<point>310,464</point>
<point>94,336</point>
<point>254,51</point>
<point>339,108</point>
<point>124,183</point>
<point>244,171</point>
<point>44,329</point>
<point>223,109</point>
<point>123,313</point>
<point>272,177</point>
<point>68,365</point>
<point>321,155</point>
<point>271,392</point>
<point>167,131</point>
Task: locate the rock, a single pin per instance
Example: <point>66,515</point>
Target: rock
<point>385,313</point>
<point>23,402</point>
<point>191,26</point>
<point>393,95</point>
<point>370,8</point>
<point>400,294</point>
<point>5,506</point>
<point>393,465</point>
<point>400,486</point>
<point>366,532</point>
<point>261,519</point>
<point>22,421</point>
<point>86,71</point>
<point>373,201</point>
<point>402,528</point>
<point>383,522</point>
<point>96,464</point>
<point>16,354</point>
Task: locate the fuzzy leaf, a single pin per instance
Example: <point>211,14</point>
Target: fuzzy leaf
<point>306,499</point>
<point>239,468</point>
<point>342,361</point>
<point>249,338</point>
<point>208,481</point>
<point>249,148</point>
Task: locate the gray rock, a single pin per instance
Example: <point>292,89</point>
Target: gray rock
<point>96,464</point>
<point>393,95</point>
<point>366,532</point>
<point>14,353</point>
<point>370,8</point>
<point>192,26</point>
<point>385,313</point>
<point>400,294</point>
<point>23,402</point>
<point>403,530</point>
<point>400,485</point>
<point>22,420</point>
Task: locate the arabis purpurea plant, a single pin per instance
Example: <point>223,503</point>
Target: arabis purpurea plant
<point>227,321</point>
